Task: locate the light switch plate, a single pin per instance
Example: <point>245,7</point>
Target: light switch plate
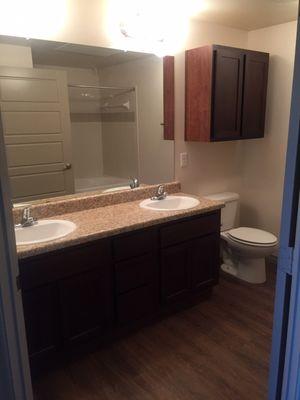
<point>183,160</point>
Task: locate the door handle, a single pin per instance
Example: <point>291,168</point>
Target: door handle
<point>67,166</point>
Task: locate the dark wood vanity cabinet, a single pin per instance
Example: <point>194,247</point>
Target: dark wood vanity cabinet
<point>226,91</point>
<point>41,311</point>
<point>136,270</point>
<point>205,257</point>
<point>189,267</point>
<point>175,273</point>
<point>189,257</point>
<point>67,297</point>
<point>98,289</point>
<point>85,305</point>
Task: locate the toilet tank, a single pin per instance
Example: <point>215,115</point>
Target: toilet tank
<point>229,213</point>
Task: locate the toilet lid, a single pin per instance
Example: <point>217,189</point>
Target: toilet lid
<point>253,236</point>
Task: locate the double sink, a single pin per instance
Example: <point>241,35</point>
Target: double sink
<point>47,230</point>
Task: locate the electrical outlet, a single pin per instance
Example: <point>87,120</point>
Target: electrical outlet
<point>183,160</point>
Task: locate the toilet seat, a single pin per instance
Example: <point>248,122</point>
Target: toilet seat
<point>252,237</point>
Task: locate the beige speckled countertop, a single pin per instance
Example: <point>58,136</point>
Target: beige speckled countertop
<point>111,220</point>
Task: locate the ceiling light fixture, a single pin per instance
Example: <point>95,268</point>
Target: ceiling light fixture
<point>154,26</point>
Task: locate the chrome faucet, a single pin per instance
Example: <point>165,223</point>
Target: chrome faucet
<point>161,194</point>
<point>134,183</point>
<point>27,219</point>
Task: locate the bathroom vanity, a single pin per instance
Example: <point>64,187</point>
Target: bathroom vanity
<point>101,288</point>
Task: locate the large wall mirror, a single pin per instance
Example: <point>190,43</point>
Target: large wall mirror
<point>78,118</point>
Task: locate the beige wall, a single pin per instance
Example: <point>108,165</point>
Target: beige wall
<point>120,149</point>
<point>213,167</point>
<point>15,56</point>
<point>263,160</point>
<point>74,21</point>
<point>156,154</point>
<point>119,129</point>
<point>254,168</point>
<point>86,131</point>
<point>217,166</point>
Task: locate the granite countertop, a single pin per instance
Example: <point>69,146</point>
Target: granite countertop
<point>111,220</point>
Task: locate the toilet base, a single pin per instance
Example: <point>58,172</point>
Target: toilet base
<point>229,269</point>
<point>252,270</point>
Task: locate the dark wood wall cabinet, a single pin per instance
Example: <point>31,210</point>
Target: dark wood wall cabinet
<point>100,289</point>
<point>226,90</point>
<point>169,97</point>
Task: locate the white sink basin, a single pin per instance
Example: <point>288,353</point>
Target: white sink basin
<point>43,231</point>
<point>170,203</point>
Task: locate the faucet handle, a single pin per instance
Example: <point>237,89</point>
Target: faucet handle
<point>161,194</point>
<point>134,183</point>
<point>27,212</point>
<point>160,190</point>
<point>27,218</point>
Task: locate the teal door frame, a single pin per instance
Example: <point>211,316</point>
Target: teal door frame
<point>284,377</point>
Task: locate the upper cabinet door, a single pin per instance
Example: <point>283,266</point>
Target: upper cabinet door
<point>228,93</point>
<point>198,93</point>
<point>255,93</point>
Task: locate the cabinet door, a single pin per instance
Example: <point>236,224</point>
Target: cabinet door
<point>86,302</point>
<point>255,93</point>
<point>136,305</point>
<point>135,272</point>
<point>198,93</point>
<point>227,93</point>
<point>136,281</point>
<point>205,261</point>
<point>176,272</point>
<point>41,314</point>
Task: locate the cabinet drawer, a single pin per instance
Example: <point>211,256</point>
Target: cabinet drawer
<point>135,272</point>
<point>136,304</point>
<point>191,229</point>
<point>134,244</point>
<point>64,263</point>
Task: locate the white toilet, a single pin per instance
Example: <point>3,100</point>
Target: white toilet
<point>243,249</point>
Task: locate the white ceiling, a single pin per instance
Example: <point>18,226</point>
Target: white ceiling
<point>242,14</point>
<point>248,14</point>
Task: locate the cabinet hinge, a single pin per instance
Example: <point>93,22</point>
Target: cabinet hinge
<point>285,260</point>
<point>18,282</point>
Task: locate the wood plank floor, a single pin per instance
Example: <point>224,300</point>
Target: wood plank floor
<point>218,350</point>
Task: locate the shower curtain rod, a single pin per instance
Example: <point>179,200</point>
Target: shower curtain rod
<point>129,89</point>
